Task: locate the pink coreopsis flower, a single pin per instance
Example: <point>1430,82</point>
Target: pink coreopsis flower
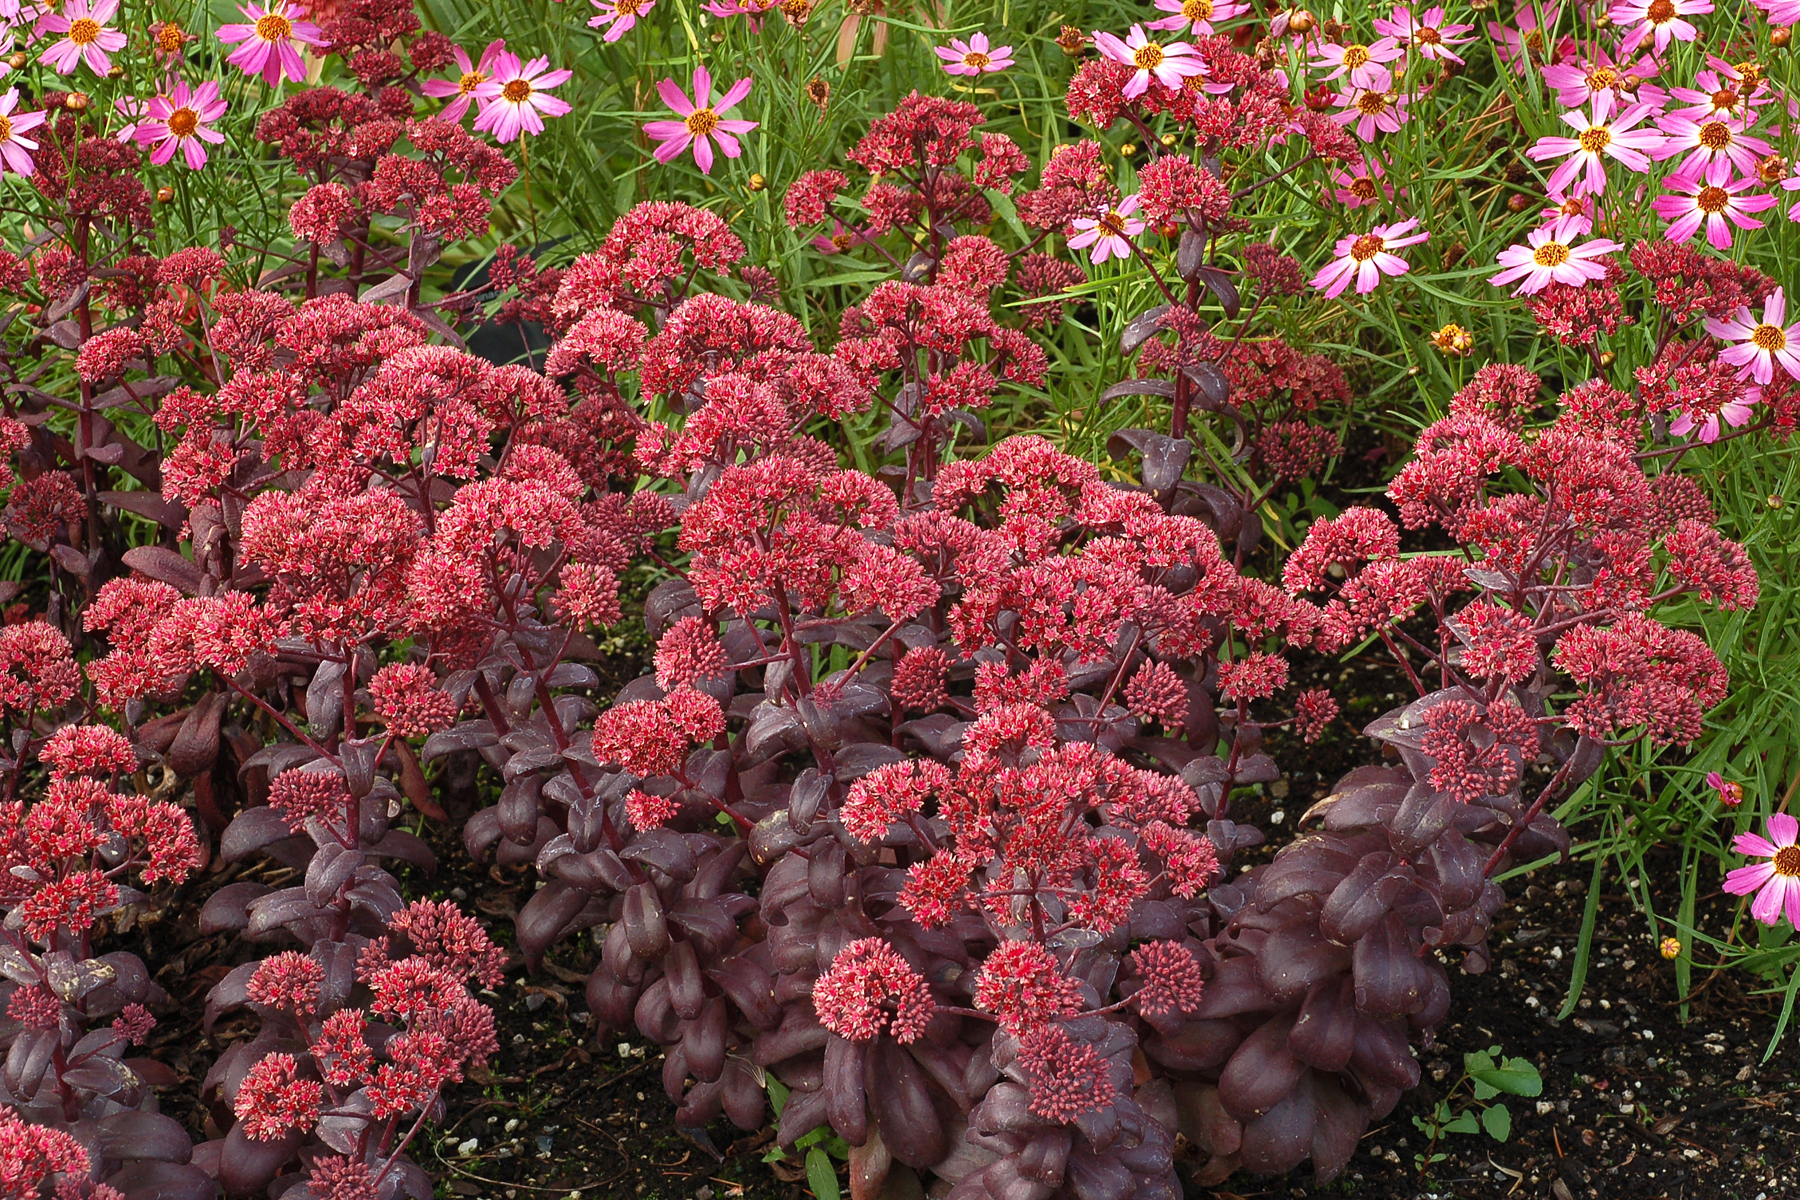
<point>1706,141</point>
<point>1362,182</point>
<point>1712,201</point>
<point>1706,426</point>
<point>470,76</point>
<point>1730,794</point>
<point>1361,63</point>
<point>618,16</point>
<point>85,36</point>
<point>1607,83</point>
<point>1371,111</point>
<point>1427,32</point>
<point>840,239</point>
<point>1583,172</point>
<point>1760,344</point>
<point>179,120</point>
<point>973,57</point>
<point>1170,63</point>
<point>1775,882</point>
<point>1548,256</point>
<point>1197,16</point>
<point>700,125</point>
<point>1661,20</point>
<point>268,41</point>
<point>1724,91</point>
<point>515,99</point>
<point>1109,234</point>
<point>15,151</point>
<point>133,110</point>
<point>1527,39</point>
<point>1367,257</point>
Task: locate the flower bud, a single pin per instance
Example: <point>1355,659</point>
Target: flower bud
<point>1518,202</point>
<point>1779,38</point>
<point>1671,947</point>
<point>757,182</point>
<point>164,194</point>
<point>76,102</point>
<point>17,60</point>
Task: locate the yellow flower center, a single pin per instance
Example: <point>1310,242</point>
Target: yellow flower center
<point>1602,78</point>
<point>1749,74</point>
<point>1550,254</point>
<point>976,59</point>
<point>1787,861</point>
<point>1365,247</point>
<point>1533,42</point>
<point>702,122</point>
<point>1148,57</point>
<point>843,241</point>
<point>517,91</point>
<point>1595,138</point>
<point>1356,55</point>
<point>627,8</point>
<point>1372,104</point>
<point>468,83</point>
<point>273,27</point>
<point>1715,135</point>
<point>84,31</point>
<point>1197,10</point>
<point>183,121</point>
<point>1661,11</point>
<point>1769,337</point>
<point>1114,223</point>
<point>1362,187</point>
<point>1712,200</point>
<point>168,38</point>
<point>5,128</point>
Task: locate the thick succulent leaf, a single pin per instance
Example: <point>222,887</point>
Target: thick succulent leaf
<point>1390,979</point>
<point>1262,1072</point>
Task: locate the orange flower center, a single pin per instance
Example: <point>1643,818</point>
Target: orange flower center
<point>1715,135</point>
<point>1595,138</point>
<point>1148,57</point>
<point>843,241</point>
<point>1725,99</point>
<point>1197,10</point>
<point>1769,337</point>
<point>1372,103</point>
<point>183,121</point>
<point>1365,247</point>
<point>517,91</point>
<point>1749,74</point>
<point>627,8</point>
<point>84,31</point>
<point>1114,223</point>
<point>168,38</point>
<point>468,83</point>
<point>1661,11</point>
<point>702,122</point>
<point>1425,35</point>
<point>1534,41</point>
<point>1550,254</point>
<point>1356,55</point>
<point>1362,187</point>
<point>273,27</point>
<point>1787,861</point>
<point>1712,200</point>
<point>1602,78</point>
<point>976,59</point>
